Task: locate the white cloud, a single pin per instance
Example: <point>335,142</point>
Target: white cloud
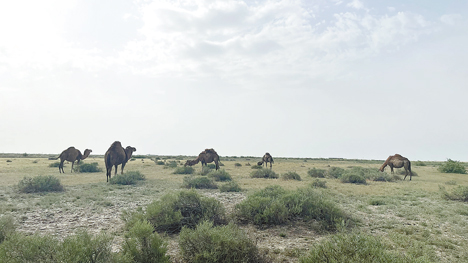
<point>356,4</point>
<point>451,19</point>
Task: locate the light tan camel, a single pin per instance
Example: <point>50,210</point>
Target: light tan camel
<point>205,157</point>
<point>398,161</point>
<point>266,158</point>
<point>116,155</point>
<point>71,154</point>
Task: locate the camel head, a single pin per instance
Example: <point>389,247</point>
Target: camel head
<point>259,163</point>
<point>87,152</point>
<point>191,162</point>
<point>129,151</point>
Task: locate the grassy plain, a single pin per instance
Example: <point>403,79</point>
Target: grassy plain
<point>410,216</point>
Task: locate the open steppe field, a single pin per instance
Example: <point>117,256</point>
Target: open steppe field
<point>409,216</point>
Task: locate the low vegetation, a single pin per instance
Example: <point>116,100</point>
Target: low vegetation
<point>227,244</point>
<point>451,166</point>
<point>88,168</point>
<point>220,176</point>
<point>291,176</point>
<point>184,170</point>
<point>128,178</point>
<point>275,205</point>
<point>459,193</point>
<point>199,182</point>
<point>40,184</point>
<point>356,247</point>
<point>264,173</point>
<point>230,187</point>
<point>176,210</point>
<point>314,172</point>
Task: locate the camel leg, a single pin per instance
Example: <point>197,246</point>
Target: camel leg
<point>72,167</point>
<point>61,167</point>
<point>123,165</point>
<point>115,170</point>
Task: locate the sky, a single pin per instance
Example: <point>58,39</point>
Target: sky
<point>355,79</point>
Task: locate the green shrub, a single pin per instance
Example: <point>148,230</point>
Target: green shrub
<point>128,178</point>
<point>84,247</point>
<point>7,227</point>
<point>314,172</point>
<point>212,166</point>
<point>175,210</point>
<point>205,170</point>
<point>419,163</point>
<point>274,205</point>
<point>144,245</point>
<point>353,176</point>
<point>264,173</point>
<point>217,244</point>
<point>55,164</point>
<point>237,165</point>
<point>291,176</point>
<point>459,193</point>
<point>18,248</point>
<point>171,164</point>
<point>199,182</point>
<point>230,187</point>
<point>88,168</point>
<point>256,167</point>
<point>40,183</point>
<point>451,166</point>
<point>220,176</point>
<point>318,184</point>
<point>184,170</point>
<point>159,162</point>
<point>354,247</point>
<point>335,172</point>
<point>383,177</point>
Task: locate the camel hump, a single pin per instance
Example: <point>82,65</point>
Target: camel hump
<point>211,150</point>
<point>71,148</point>
<point>115,144</point>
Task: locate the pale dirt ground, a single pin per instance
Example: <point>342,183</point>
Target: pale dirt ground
<point>81,207</point>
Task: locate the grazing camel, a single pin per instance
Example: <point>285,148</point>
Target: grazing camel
<point>398,161</point>
<point>205,157</point>
<point>71,154</point>
<point>266,158</point>
<point>116,155</point>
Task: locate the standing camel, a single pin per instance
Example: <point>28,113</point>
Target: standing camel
<point>71,154</point>
<point>398,161</point>
<point>116,155</point>
<point>205,157</point>
<point>266,158</point>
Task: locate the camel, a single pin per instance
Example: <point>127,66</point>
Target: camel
<point>398,161</point>
<point>71,154</point>
<point>205,157</point>
<point>116,155</point>
<point>266,158</point>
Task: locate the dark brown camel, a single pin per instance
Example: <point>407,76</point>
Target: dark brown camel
<point>398,161</point>
<point>71,154</point>
<point>205,157</point>
<point>266,158</point>
<point>116,155</point>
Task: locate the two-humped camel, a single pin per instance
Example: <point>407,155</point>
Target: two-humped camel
<point>398,161</point>
<point>71,154</point>
<point>266,159</point>
<point>116,155</point>
<point>205,157</point>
